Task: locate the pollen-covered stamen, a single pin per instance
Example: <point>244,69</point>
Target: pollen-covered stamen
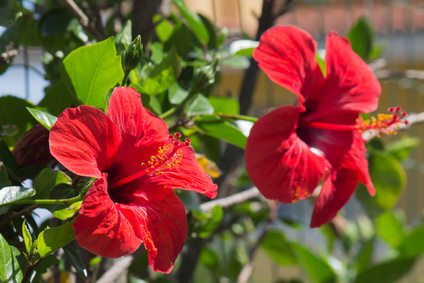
<point>384,123</point>
<point>168,156</point>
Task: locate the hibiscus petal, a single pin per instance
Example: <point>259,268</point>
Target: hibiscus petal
<point>287,55</point>
<point>186,175</point>
<point>350,83</point>
<point>84,140</point>
<point>278,162</point>
<point>336,191</point>
<point>163,228</point>
<point>142,132</point>
<point>102,228</point>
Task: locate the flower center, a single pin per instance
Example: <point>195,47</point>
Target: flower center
<point>168,156</point>
<point>383,124</point>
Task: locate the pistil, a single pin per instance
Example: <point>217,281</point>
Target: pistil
<point>169,155</point>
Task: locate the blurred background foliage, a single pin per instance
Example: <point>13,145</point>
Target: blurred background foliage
<point>198,75</point>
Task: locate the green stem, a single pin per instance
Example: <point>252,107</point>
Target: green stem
<point>237,117</point>
<point>124,81</point>
<point>46,201</point>
<point>169,112</point>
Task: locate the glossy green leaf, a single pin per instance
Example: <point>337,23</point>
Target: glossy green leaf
<point>198,105</point>
<point>386,272</point>
<point>10,270</point>
<point>58,98</point>
<point>92,70</point>
<point>224,105</point>
<point>15,193</point>
<point>390,229</point>
<point>76,261</point>
<point>47,180</point>
<point>388,178</point>
<point>13,112</point>
<point>183,39</point>
<point>321,64</point>
<point>27,238</point>
<point>208,222</point>
<point>278,248</point>
<point>158,78</point>
<point>316,269</point>
<point>61,191</point>
<point>402,147</point>
<point>46,119</point>
<point>361,37</point>
<point>193,20</point>
<point>220,129</point>
<point>52,239</point>
<point>67,212</point>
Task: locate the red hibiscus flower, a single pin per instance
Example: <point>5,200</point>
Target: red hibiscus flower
<point>138,165</point>
<point>292,149</point>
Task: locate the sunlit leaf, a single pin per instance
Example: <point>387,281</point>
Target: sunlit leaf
<point>92,70</point>
<point>193,20</point>
<point>198,105</point>
<point>52,239</point>
<point>67,212</point>
<point>46,119</point>
<point>47,180</point>
<point>278,248</point>
<point>402,147</point>
<point>361,37</point>
<point>387,272</point>
<point>224,105</point>
<point>10,270</point>
<point>27,238</point>
<point>15,193</point>
<point>390,229</point>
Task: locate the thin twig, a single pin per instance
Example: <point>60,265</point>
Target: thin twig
<point>83,19</point>
<point>119,268</point>
<point>231,200</point>
<point>14,215</point>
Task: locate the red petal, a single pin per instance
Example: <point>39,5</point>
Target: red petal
<point>336,191</point>
<point>186,175</point>
<point>278,162</point>
<point>142,132</point>
<point>102,228</point>
<point>84,140</point>
<point>287,55</point>
<point>350,83</point>
<point>163,228</point>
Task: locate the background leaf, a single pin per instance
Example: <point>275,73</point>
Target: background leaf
<point>10,270</point>
<point>52,239</point>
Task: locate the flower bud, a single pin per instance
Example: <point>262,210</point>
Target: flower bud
<point>132,55</point>
<point>33,147</point>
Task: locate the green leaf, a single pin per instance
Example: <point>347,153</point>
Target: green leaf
<point>10,10</point>
<point>9,266</point>
<point>9,162</point>
<point>278,248</point>
<point>212,43</point>
<point>198,105</point>
<point>390,229</point>
<point>316,269</point>
<point>28,30</point>
<point>58,98</point>
<point>403,147</point>
<point>158,78</point>
<point>386,272</point>
<point>224,105</point>
<point>91,71</point>
<point>364,255</point>
<point>67,212</point>
<point>164,30</point>
<point>321,64</point>
<point>124,38</point>
<point>413,244</point>
<point>243,47</point>
<point>27,237</point>
<point>208,222</point>
<point>61,191</point>
<point>236,62</point>
<point>183,39</point>
<point>76,261</point>
<point>46,119</point>
<point>221,129</point>
<point>13,112</point>
<point>4,180</point>
<point>52,239</point>
<point>361,37</point>
<point>388,178</point>
<point>193,20</point>
<point>177,94</point>
<point>15,193</point>
<point>47,180</point>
